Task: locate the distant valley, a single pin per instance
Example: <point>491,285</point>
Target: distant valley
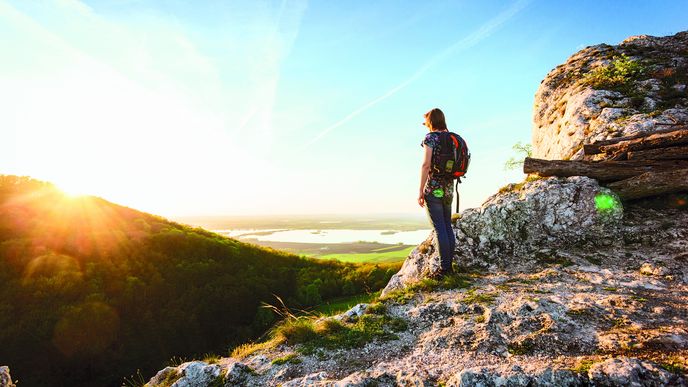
<point>347,238</point>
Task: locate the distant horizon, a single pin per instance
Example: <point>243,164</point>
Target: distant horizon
<point>309,215</point>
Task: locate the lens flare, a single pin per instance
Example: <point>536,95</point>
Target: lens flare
<point>606,202</point>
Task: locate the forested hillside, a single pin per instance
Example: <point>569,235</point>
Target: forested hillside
<point>91,291</point>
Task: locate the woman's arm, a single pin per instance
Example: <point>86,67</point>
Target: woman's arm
<point>424,171</point>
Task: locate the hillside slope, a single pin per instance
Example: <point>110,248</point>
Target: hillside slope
<point>92,291</point>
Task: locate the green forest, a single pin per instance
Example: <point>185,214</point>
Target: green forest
<point>91,291</point>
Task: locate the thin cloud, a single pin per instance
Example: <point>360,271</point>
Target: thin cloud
<point>468,41</point>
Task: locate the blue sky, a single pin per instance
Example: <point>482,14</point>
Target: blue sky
<point>282,107</point>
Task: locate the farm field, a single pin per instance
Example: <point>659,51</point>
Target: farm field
<point>347,252</point>
<point>376,256</point>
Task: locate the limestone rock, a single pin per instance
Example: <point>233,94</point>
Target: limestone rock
<point>568,111</point>
<point>5,378</point>
<point>237,374</point>
<point>520,228</point>
<point>625,371</point>
<point>514,377</point>
<point>649,269</point>
<point>313,379</point>
<point>189,374</point>
<point>164,375</point>
<point>356,311</point>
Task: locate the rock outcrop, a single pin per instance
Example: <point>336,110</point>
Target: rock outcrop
<point>523,227</point>
<point>5,378</point>
<point>578,102</point>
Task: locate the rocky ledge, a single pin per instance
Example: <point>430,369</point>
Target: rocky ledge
<point>560,285</point>
<point>606,91</point>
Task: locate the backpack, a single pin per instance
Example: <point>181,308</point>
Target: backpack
<point>454,158</point>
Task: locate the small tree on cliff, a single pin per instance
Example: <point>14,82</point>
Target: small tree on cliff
<point>523,151</point>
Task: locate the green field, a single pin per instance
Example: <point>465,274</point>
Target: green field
<point>347,252</point>
<point>343,304</point>
<point>384,255</point>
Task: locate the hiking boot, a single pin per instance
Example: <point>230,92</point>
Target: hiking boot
<point>438,275</point>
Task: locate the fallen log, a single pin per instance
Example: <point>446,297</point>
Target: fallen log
<point>656,139</point>
<point>651,184</point>
<point>664,140</point>
<point>603,171</point>
<point>671,153</point>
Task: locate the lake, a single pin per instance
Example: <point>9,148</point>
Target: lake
<point>329,235</point>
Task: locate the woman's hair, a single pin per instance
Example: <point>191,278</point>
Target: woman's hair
<point>436,118</point>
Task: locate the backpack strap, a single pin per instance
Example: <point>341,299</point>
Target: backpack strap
<point>456,191</point>
<point>444,138</point>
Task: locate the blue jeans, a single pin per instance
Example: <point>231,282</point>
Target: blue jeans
<point>439,213</point>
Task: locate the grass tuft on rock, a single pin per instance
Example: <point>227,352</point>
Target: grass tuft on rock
<point>376,308</point>
<point>583,366</point>
<point>288,358</point>
<point>524,347</point>
<point>244,350</point>
<point>471,297</point>
<point>617,74</point>
<point>311,334</point>
<point>336,335</point>
<point>454,281</point>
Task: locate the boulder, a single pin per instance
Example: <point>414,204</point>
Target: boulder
<point>314,379</point>
<point>237,374</point>
<point>518,229</point>
<point>5,378</point>
<point>515,377</point>
<point>623,371</point>
<point>190,374</point>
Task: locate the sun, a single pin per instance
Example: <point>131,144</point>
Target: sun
<point>73,189</point>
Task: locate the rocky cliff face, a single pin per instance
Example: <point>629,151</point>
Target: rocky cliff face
<point>562,284</point>
<point>608,91</point>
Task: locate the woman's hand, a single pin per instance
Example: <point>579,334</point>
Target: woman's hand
<point>421,200</point>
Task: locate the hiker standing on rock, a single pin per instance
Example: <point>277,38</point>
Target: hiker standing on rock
<point>445,158</point>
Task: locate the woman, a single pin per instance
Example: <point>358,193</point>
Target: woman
<point>436,193</point>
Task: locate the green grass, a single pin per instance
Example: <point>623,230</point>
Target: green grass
<point>471,297</point>
<point>343,304</point>
<point>618,73</point>
<point>456,281</point>
<point>521,348</point>
<point>377,256</point>
<point>310,336</point>
<point>376,308</point>
<point>211,358</point>
<point>288,358</point>
<point>388,248</point>
<point>583,366</point>
<point>675,364</point>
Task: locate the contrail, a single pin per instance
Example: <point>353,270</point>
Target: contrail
<point>473,38</point>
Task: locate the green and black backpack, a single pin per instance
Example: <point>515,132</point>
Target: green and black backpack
<point>454,158</point>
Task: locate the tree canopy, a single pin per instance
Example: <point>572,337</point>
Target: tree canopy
<point>91,291</point>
